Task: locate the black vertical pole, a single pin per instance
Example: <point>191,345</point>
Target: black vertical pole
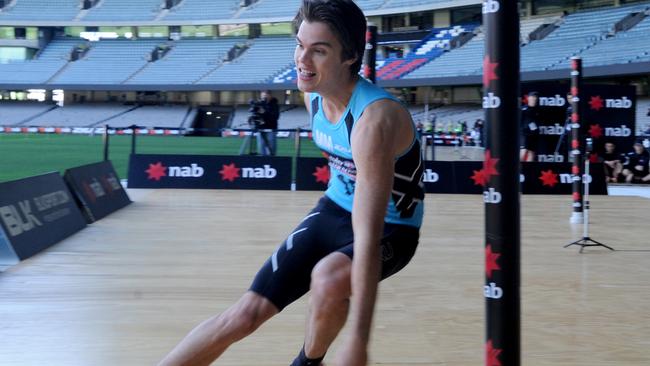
<point>370,61</point>
<point>576,148</point>
<point>106,137</point>
<point>134,132</point>
<point>500,175</point>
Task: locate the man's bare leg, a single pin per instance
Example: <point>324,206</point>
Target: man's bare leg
<point>210,339</point>
<point>328,305</point>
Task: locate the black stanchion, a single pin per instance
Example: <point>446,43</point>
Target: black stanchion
<point>577,216</point>
<point>134,130</point>
<point>500,177</point>
<point>106,142</point>
<point>586,241</point>
<point>370,61</point>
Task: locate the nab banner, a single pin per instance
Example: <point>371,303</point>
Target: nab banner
<point>97,189</point>
<point>439,177</point>
<point>608,115</point>
<point>548,178</point>
<point>312,174</point>
<point>209,172</point>
<point>36,213</point>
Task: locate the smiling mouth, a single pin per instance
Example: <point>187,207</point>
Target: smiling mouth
<point>306,74</point>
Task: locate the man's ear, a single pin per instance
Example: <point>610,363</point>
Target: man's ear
<point>351,61</point>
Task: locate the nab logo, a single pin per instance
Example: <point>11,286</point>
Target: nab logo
<point>491,196</point>
<point>557,158</point>
<point>492,291</point>
<point>618,103</point>
<point>551,130</point>
<point>622,131</point>
<point>430,176</point>
<point>491,101</point>
<point>192,171</point>
<point>491,6</point>
<point>566,178</point>
<point>19,222</point>
<point>260,173</point>
<point>556,101</point>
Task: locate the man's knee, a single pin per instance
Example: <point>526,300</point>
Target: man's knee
<point>248,314</point>
<point>330,278</point>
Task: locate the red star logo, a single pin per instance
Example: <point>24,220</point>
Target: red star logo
<point>549,178</point>
<point>229,172</point>
<point>491,264</point>
<point>156,171</point>
<point>492,355</point>
<point>482,177</point>
<point>479,178</point>
<point>489,71</point>
<point>595,131</point>
<point>322,174</point>
<point>490,165</point>
<point>596,103</point>
<point>524,99</point>
<point>593,158</point>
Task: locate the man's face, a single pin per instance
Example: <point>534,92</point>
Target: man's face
<point>266,96</point>
<point>638,148</point>
<point>609,147</point>
<point>532,100</point>
<point>318,59</point>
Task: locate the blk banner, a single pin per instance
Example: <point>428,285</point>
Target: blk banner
<point>608,115</point>
<point>312,174</point>
<point>36,213</point>
<point>97,189</point>
<point>209,172</point>
<point>468,177</point>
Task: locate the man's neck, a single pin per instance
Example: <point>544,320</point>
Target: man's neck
<point>336,101</point>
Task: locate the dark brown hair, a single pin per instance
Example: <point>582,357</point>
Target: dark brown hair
<point>345,20</point>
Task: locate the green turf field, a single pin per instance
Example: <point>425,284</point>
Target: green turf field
<point>24,155</point>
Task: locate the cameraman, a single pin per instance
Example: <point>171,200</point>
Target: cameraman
<point>269,112</point>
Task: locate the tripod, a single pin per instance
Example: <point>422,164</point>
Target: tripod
<point>586,241</point>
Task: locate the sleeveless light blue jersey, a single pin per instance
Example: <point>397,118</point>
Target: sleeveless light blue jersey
<point>406,206</point>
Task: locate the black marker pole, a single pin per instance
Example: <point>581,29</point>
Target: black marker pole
<point>577,216</point>
<point>370,56</point>
<point>500,175</point>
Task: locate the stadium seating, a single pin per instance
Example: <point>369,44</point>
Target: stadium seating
<point>15,113</point>
<point>169,116</point>
<point>203,9</point>
<point>265,58</point>
<point>80,115</point>
<point>428,49</point>
<point>408,3</point>
<point>466,60</point>
<point>108,62</point>
<point>624,47</point>
<point>124,10</point>
<point>577,33</point>
<point>41,10</point>
<point>38,71</point>
<point>187,62</point>
<point>271,9</point>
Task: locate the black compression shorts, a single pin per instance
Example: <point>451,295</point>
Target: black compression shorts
<point>286,275</point>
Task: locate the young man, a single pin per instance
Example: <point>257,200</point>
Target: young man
<point>529,132</point>
<point>637,165</point>
<point>364,229</point>
<point>612,162</point>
